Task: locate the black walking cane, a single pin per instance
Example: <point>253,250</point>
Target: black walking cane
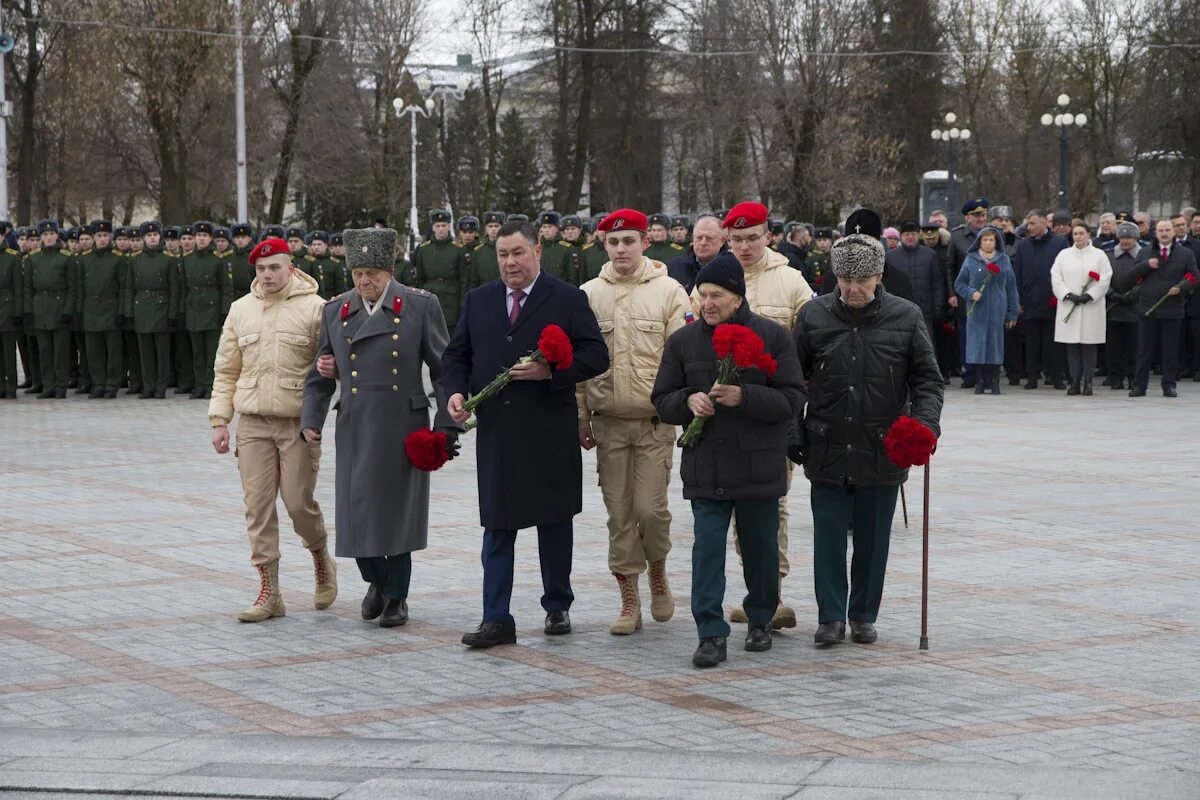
<point>904,505</point>
<point>924,645</point>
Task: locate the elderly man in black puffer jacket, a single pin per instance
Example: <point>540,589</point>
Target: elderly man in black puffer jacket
<point>869,360</point>
<point>739,464</point>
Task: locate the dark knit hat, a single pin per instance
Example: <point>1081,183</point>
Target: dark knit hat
<point>371,248</point>
<point>725,271</point>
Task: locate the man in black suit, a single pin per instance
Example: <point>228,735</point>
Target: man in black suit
<point>529,468</point>
<point>1161,268</point>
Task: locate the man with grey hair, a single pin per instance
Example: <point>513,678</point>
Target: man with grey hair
<point>862,338</point>
<point>708,240</point>
<point>1106,234</point>
<point>376,339</point>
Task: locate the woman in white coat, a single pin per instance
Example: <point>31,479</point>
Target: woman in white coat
<point>1079,280</point>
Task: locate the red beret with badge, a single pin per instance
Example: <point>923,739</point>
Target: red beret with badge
<point>273,246</point>
<point>623,219</point>
<point>745,215</point>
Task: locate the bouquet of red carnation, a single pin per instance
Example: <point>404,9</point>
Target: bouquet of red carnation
<point>909,443</point>
<point>738,348</point>
<point>1188,280</point>
<point>1093,276</point>
<point>427,450</point>
<point>993,269</point>
<point>553,347</point>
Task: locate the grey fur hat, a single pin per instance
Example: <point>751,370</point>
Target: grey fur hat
<point>856,256</point>
<point>370,248</point>
<point>1128,230</point>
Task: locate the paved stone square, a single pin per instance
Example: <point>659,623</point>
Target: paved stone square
<point>1065,578</point>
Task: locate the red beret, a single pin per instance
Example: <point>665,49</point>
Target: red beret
<point>623,219</point>
<point>745,215</point>
<point>273,246</point>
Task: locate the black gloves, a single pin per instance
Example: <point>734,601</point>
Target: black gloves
<point>1083,299</point>
<point>796,455</point>
<point>452,445</point>
<point>1072,298</point>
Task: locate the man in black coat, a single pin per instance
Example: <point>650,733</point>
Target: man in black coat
<point>1161,268</point>
<point>529,468</point>
<point>1190,337</point>
<point>792,246</point>
<point>738,465</point>
<point>920,265</point>
<point>1121,331</point>
<point>1035,256</point>
<point>869,360</point>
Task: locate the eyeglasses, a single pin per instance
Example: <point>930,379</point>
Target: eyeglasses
<point>736,240</point>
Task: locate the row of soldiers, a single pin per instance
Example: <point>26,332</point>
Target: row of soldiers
<point>99,308</point>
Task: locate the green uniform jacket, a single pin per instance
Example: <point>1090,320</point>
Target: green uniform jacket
<point>438,270</point>
<point>152,291</point>
<point>574,264</point>
<point>207,290</point>
<point>49,288</point>
<point>347,278</point>
<point>101,278</point>
<point>663,251</point>
<point>12,300</point>
<point>485,268</point>
<point>325,272</point>
<point>241,274</point>
<point>554,258</point>
<point>594,257</point>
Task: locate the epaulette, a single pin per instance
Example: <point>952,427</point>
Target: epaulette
<point>589,244</point>
<point>476,247</point>
<point>87,252</point>
<point>564,243</point>
<point>133,253</point>
<point>65,252</point>
<point>335,259</point>
<point>421,292</point>
<point>33,250</point>
<point>307,257</point>
<point>677,246</point>
<point>425,244</point>
<point>11,252</point>
<point>223,253</point>
<point>336,298</point>
<point>456,244</point>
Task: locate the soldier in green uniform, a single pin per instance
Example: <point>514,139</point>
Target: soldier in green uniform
<point>468,231</point>
<point>241,273</point>
<point>437,267</point>
<point>337,257</point>
<point>122,237</point>
<point>187,239</point>
<point>101,276</point>
<point>182,371</point>
<point>11,318</point>
<point>572,238</point>
<point>27,345</point>
<point>661,247</point>
<point>816,263</point>
<point>681,230</point>
<point>468,237</point>
<point>50,299</point>
<point>484,266</point>
<point>317,263</point>
<point>220,242</point>
<point>295,239</point>
<point>269,231</point>
<point>554,254</point>
<point>206,292</point>
<point>79,378</point>
<point>152,289</point>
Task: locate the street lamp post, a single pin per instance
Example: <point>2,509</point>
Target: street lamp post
<point>425,109</point>
<point>457,90</point>
<point>953,137</point>
<point>1062,122</point>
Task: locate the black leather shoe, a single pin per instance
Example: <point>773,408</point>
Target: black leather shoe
<point>133,390</point>
<point>1014,380</point>
<point>558,623</point>
<point>1087,388</point>
<point>490,634</point>
<point>11,394</point>
<point>83,390</point>
<point>395,613</point>
<point>372,604</point>
<point>183,390</point>
<point>968,384</point>
<point>96,394</point>
<point>1060,384</point>
<point>1119,383</point>
<point>196,394</point>
<point>1196,378</point>
<point>1074,389</point>
<point>208,394</point>
<point>1137,391</point>
<point>758,640</point>
<point>1169,391</point>
<point>110,394</point>
<point>161,394</point>
<point>34,389</point>
<point>60,394</point>
<point>830,633</point>
<point>862,632</point>
<point>710,652</point>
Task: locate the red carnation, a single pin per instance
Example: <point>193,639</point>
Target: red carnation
<point>555,347</point>
<point>1053,301</point>
<point>909,443</point>
<point>767,364</point>
<point>1094,275</point>
<point>426,449</point>
<point>993,268</point>
<point>737,348</point>
<point>1191,278</point>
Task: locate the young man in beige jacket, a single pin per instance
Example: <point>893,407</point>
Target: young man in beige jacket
<point>776,291</point>
<point>638,305</point>
<point>267,347</point>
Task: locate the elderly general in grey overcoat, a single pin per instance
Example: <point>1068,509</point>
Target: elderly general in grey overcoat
<point>374,340</point>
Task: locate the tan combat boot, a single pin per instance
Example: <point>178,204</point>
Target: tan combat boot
<point>662,602</point>
<point>270,600</point>
<point>631,606</point>
<point>325,572</point>
<point>785,616</point>
<point>738,615</point>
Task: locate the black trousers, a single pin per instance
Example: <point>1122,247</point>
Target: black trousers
<point>105,359</point>
<point>1161,335</point>
<point>1042,353</point>
<point>1014,353</point>
<point>392,574</point>
<point>1191,341</point>
<point>8,361</point>
<point>1120,350</point>
<point>133,361</point>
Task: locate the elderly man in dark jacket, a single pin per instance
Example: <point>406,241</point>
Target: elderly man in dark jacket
<point>869,360</point>
<point>529,468</point>
<point>1120,341</point>
<point>1031,265</point>
<point>376,339</point>
<point>708,240</point>
<point>738,464</point>
<point>920,264</point>
<point>1161,268</point>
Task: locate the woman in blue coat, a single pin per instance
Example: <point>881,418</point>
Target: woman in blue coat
<point>992,305</point>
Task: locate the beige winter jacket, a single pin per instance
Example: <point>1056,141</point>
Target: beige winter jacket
<point>774,289</point>
<point>268,345</point>
<point>636,314</point>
